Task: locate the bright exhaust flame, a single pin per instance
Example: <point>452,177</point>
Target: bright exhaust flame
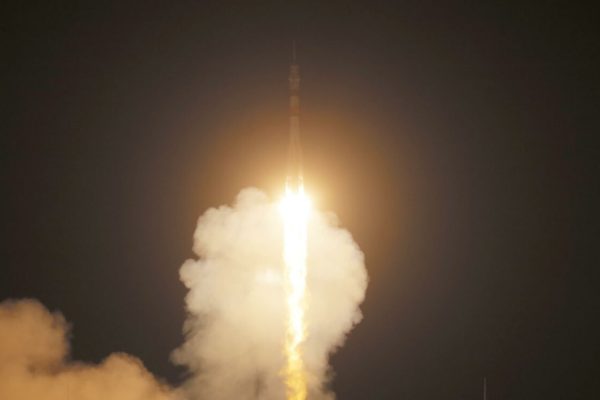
<point>295,210</point>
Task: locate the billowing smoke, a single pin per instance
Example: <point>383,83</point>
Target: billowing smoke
<point>236,324</point>
<point>33,362</point>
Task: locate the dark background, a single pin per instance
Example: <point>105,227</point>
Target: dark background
<point>454,142</point>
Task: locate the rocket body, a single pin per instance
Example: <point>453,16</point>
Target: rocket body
<point>294,167</point>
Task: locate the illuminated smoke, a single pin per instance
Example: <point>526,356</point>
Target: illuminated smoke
<point>33,362</point>
<point>235,332</point>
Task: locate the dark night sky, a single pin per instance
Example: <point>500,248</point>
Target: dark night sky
<point>453,141</point>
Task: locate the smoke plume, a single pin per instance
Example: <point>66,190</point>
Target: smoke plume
<point>33,362</point>
<point>235,328</point>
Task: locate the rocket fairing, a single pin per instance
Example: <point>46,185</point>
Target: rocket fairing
<point>294,167</point>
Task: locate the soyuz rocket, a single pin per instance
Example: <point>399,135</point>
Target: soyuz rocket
<point>294,164</point>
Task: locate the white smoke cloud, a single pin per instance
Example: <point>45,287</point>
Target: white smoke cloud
<point>33,362</point>
<point>235,328</point>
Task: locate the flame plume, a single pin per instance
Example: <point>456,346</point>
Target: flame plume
<point>295,210</point>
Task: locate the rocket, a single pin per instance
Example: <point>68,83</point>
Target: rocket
<point>294,164</point>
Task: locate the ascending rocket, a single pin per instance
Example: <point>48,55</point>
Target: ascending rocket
<point>294,167</point>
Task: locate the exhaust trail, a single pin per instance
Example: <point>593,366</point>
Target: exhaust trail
<point>295,208</point>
